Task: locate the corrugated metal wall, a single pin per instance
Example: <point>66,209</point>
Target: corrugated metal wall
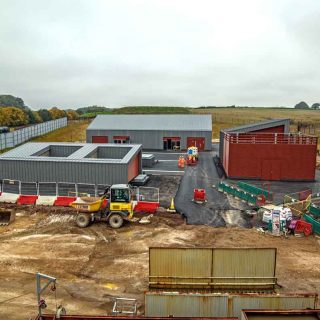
<point>64,171</point>
<point>109,153</point>
<point>216,305</point>
<point>270,161</point>
<point>152,139</point>
<point>57,151</point>
<point>212,268</point>
<point>280,314</point>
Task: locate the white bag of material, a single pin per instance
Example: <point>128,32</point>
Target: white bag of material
<point>288,214</point>
<point>267,216</point>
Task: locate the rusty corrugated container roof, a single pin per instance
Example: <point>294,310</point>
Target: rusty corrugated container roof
<point>280,314</point>
<point>215,269</point>
<point>83,317</point>
<point>222,305</point>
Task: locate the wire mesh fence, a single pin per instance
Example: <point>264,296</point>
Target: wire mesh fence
<point>14,138</point>
<point>11,186</point>
<point>148,194</point>
<point>66,189</point>
<point>29,188</point>
<point>86,190</point>
<point>47,189</point>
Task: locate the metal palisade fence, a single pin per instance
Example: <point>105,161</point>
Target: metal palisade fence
<point>14,138</point>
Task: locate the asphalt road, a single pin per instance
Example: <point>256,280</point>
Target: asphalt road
<point>218,211</point>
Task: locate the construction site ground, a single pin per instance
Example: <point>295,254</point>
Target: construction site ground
<point>96,264</point>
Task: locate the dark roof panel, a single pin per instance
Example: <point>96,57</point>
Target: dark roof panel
<point>261,125</point>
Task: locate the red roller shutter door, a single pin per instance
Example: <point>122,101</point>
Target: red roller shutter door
<point>196,142</point>
<point>99,139</point>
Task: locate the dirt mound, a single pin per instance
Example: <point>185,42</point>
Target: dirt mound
<point>96,264</point>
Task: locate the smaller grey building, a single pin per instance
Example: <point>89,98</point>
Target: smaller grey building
<point>154,132</point>
<point>72,162</point>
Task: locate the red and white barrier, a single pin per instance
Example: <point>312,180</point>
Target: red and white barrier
<point>64,201</point>
<point>27,200</point>
<point>9,197</point>
<point>46,200</point>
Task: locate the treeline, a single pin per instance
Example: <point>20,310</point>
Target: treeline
<point>93,111</point>
<point>304,105</point>
<point>13,112</point>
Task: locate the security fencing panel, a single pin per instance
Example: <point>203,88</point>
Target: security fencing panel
<point>147,194</point>
<point>29,188</point>
<point>215,269</point>
<point>47,189</point>
<point>86,190</point>
<point>11,186</point>
<point>14,138</point>
<point>67,189</point>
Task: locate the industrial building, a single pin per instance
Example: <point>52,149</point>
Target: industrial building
<point>267,151</point>
<point>154,132</point>
<point>72,162</point>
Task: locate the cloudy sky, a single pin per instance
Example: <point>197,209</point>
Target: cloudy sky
<point>74,53</point>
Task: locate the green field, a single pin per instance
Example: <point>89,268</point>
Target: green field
<point>232,117</point>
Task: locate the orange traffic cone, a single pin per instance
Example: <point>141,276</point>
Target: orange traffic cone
<point>172,208</point>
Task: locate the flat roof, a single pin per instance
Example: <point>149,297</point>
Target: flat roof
<point>172,122</point>
<point>79,152</point>
<point>259,125</point>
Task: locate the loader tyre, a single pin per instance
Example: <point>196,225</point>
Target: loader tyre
<point>116,221</point>
<point>83,220</point>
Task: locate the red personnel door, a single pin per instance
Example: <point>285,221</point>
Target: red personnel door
<point>196,142</point>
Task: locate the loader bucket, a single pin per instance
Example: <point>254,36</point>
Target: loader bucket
<point>6,217</point>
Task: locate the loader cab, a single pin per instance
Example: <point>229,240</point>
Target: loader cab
<point>120,193</point>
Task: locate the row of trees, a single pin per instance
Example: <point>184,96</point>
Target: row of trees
<point>304,105</point>
<point>13,112</point>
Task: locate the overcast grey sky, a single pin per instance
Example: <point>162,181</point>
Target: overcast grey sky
<point>74,53</point>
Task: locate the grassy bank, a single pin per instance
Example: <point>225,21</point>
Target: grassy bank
<point>75,131</point>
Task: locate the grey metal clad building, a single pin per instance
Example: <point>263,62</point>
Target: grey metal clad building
<point>72,162</point>
<point>154,132</point>
<point>271,126</point>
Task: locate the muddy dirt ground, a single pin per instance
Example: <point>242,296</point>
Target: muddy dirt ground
<point>96,264</point>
